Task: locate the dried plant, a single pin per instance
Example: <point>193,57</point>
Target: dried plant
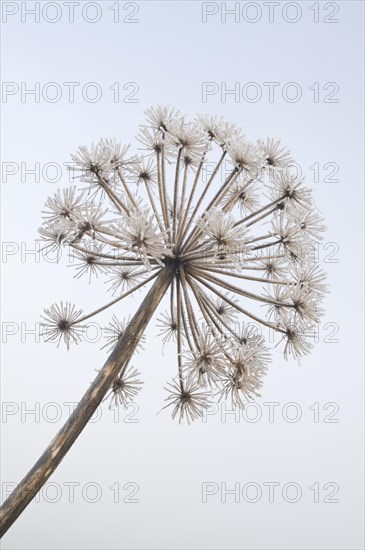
<point>221,248</point>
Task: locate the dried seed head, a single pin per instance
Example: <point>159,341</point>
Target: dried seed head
<point>61,324</point>
<point>188,404</point>
<point>125,387</point>
<point>231,218</point>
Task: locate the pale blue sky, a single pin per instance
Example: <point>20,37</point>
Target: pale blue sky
<point>168,55</point>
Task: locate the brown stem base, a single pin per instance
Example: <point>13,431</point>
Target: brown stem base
<point>57,449</point>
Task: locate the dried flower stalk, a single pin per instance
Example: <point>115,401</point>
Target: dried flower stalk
<point>219,248</point>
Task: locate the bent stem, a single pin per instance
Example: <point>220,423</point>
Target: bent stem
<point>59,446</point>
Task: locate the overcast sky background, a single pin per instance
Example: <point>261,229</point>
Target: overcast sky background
<point>165,56</point>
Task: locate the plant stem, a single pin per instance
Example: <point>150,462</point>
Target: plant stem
<point>59,446</point>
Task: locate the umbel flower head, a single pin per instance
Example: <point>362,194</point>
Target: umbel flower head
<point>238,230</point>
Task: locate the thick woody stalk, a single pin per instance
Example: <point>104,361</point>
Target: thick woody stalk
<point>57,449</point>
